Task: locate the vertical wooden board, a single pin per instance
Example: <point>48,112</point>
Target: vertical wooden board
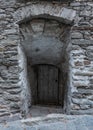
<point>53,85</point>
<point>61,87</point>
<point>42,83</point>
<point>50,86</point>
<point>32,78</point>
<point>56,85</point>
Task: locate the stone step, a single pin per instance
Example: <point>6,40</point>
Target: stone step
<point>51,122</point>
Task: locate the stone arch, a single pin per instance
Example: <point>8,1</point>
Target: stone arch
<point>45,10</point>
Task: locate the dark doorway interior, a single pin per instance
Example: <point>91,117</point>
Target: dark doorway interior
<point>46,85</point>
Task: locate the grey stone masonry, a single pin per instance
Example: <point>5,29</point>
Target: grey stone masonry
<point>10,88</point>
<point>51,122</point>
<point>14,94</point>
<point>81,59</point>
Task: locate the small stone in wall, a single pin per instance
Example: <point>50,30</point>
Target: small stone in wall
<point>37,27</point>
<point>91,21</point>
<point>85,13</point>
<point>14,105</point>
<point>87,62</point>
<point>2,37</point>
<point>90,97</point>
<point>2,11</point>
<point>78,63</point>
<point>2,16</point>
<point>75,107</point>
<point>89,52</point>
<point>77,35</point>
<point>84,107</point>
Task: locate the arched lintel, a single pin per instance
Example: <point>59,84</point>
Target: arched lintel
<point>50,11</point>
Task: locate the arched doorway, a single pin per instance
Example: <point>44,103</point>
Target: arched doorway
<point>44,42</point>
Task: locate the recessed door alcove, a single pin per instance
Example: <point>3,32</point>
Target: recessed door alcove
<point>44,42</point>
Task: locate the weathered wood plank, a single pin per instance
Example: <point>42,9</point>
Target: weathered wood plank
<point>53,85</point>
<point>42,83</point>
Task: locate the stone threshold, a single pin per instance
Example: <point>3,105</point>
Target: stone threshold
<point>51,122</point>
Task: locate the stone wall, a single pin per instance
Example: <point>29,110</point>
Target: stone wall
<point>80,64</point>
<point>10,88</point>
<point>81,60</point>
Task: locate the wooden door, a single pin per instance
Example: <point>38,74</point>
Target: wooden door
<point>47,85</point>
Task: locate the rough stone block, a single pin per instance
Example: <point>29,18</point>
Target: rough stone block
<point>77,35</point>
